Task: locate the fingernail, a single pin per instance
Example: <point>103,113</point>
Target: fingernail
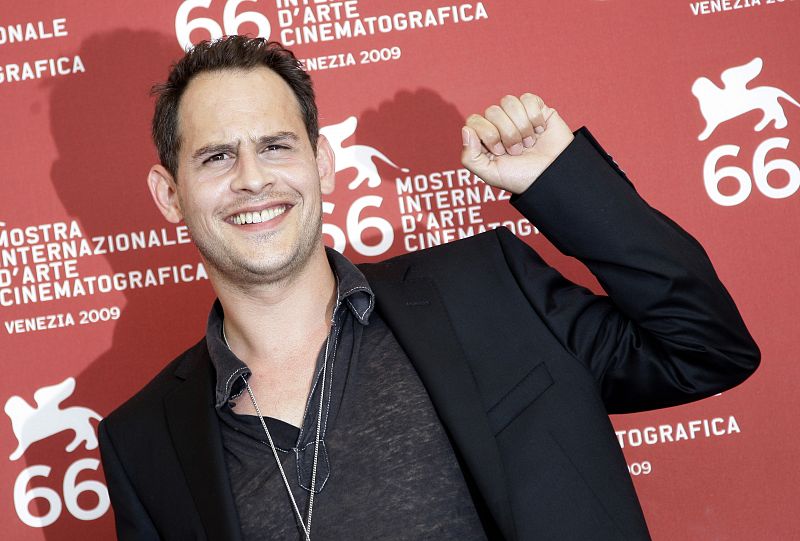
<point>465,136</point>
<point>516,150</point>
<point>539,129</point>
<point>528,142</point>
<point>498,149</point>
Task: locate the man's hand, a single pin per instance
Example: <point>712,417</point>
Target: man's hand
<point>514,142</point>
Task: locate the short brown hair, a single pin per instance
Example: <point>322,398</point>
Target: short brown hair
<point>231,52</point>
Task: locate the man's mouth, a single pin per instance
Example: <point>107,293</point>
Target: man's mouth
<point>257,217</point>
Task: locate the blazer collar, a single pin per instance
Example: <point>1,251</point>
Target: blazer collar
<point>413,309</point>
<point>197,439</point>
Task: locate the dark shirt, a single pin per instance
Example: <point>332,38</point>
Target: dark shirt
<point>386,469</point>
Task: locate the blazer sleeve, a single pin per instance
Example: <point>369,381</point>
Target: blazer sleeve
<point>132,520</point>
<point>668,332</point>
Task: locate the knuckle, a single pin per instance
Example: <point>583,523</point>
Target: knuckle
<point>533,100</point>
<point>493,110</point>
<point>508,99</point>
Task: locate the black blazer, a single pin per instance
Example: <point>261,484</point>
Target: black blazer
<point>522,367</point>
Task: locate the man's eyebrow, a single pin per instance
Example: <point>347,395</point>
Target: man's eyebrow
<point>278,137</point>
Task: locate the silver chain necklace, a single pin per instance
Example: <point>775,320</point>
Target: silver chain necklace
<point>305,525</point>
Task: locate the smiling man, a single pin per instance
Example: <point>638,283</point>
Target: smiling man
<point>456,393</point>
<point>248,185</point>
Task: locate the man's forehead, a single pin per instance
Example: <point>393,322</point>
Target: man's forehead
<point>223,99</point>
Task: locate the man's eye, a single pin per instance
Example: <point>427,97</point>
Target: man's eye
<point>275,148</point>
<point>216,158</point>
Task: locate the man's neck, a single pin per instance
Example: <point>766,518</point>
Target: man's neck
<point>267,323</point>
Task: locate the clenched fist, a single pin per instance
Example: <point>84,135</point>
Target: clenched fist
<point>514,142</point>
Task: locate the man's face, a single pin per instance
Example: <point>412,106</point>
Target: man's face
<point>248,183</point>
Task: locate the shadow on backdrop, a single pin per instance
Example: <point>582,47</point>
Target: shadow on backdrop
<point>417,130</point>
<point>100,122</point>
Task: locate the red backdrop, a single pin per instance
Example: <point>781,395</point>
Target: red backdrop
<point>97,292</point>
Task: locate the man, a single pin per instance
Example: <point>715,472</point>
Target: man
<point>456,393</point>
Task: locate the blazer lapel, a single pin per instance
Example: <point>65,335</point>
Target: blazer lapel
<point>414,311</point>
<point>197,439</point>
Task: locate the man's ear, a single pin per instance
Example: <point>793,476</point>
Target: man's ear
<point>164,191</point>
<point>326,166</point>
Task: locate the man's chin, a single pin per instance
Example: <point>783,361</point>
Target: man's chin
<point>257,269</point>
<point>258,263</point>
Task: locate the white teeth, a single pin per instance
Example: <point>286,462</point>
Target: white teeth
<point>258,217</point>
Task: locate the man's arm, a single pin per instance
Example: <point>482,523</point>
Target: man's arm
<point>132,520</point>
<point>669,333</point>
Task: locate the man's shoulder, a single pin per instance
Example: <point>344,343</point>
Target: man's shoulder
<point>467,274</point>
<point>150,397</point>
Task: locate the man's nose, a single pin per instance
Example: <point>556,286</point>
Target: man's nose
<point>251,175</point>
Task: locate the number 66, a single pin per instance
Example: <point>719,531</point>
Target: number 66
<point>230,21</point>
